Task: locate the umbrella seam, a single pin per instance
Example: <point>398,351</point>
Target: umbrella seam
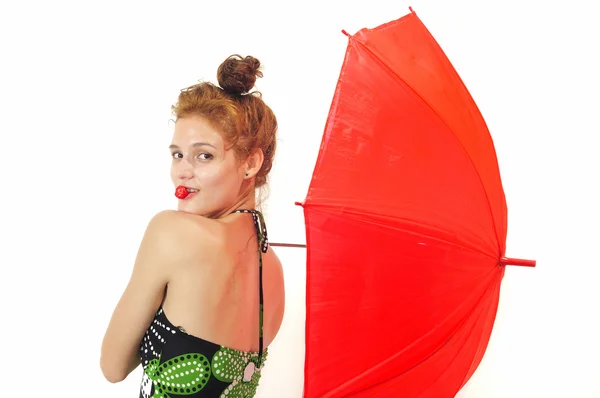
<point>412,367</point>
<point>462,246</point>
<point>479,315</point>
<point>472,369</point>
<point>441,119</point>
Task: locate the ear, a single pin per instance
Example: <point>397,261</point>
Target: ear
<point>253,163</point>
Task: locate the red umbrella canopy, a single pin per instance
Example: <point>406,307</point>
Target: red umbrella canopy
<point>406,225</point>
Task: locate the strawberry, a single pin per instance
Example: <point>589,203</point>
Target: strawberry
<point>181,192</point>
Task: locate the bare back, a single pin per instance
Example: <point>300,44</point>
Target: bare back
<point>214,293</point>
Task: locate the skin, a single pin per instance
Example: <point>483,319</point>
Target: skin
<point>199,262</point>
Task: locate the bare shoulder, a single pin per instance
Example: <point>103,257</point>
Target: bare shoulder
<point>185,234</point>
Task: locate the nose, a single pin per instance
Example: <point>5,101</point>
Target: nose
<point>184,170</point>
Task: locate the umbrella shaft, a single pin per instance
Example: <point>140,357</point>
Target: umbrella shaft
<point>287,244</point>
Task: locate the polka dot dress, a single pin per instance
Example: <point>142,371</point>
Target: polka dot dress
<point>177,364</point>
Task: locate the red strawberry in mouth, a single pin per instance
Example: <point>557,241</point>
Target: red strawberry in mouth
<point>181,192</point>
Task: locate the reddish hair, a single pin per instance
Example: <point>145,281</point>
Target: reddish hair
<point>244,120</point>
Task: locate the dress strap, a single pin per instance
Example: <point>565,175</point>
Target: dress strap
<point>263,246</point>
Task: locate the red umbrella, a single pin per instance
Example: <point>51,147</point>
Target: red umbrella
<point>405,223</point>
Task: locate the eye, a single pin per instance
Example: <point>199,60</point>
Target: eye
<point>205,156</point>
<point>177,155</point>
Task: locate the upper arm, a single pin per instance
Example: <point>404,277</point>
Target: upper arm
<point>142,297</point>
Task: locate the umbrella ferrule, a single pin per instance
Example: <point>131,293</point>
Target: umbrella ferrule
<point>517,261</point>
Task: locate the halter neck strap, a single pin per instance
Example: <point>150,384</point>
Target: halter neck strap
<point>263,246</point>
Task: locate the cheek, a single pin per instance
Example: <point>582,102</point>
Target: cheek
<point>223,177</point>
<point>208,175</point>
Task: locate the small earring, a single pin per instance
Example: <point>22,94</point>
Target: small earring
<point>246,174</point>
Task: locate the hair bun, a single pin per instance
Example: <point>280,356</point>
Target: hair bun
<point>237,75</point>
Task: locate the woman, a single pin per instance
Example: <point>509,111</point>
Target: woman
<point>192,313</point>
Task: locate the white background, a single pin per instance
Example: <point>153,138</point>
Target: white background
<point>85,95</point>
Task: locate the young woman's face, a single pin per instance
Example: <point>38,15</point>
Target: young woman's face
<point>202,162</point>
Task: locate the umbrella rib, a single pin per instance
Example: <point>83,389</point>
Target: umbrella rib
<point>441,119</point>
<point>380,364</point>
<point>471,370</point>
<point>410,231</point>
<point>471,331</point>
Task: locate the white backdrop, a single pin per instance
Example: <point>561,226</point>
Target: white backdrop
<point>85,96</point>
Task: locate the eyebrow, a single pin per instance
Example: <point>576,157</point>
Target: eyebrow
<point>194,145</point>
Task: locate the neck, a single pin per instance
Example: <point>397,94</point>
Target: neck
<point>246,201</point>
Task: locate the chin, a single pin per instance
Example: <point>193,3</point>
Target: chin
<point>194,208</point>
<point>188,211</point>
<point>187,207</point>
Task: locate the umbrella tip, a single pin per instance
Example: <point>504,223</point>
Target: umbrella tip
<point>411,10</point>
<point>517,261</point>
<point>299,204</point>
<point>346,33</point>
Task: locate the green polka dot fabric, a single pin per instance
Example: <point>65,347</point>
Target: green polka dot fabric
<point>177,364</point>
<point>183,375</point>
